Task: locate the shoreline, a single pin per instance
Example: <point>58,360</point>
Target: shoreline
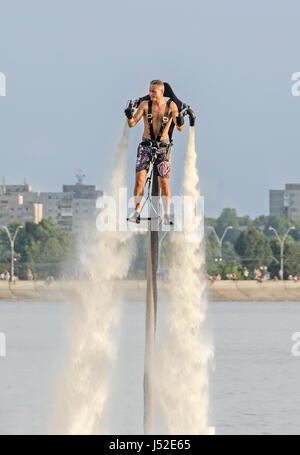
<point>135,290</point>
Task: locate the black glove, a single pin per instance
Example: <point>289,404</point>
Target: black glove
<point>180,120</point>
<point>129,110</point>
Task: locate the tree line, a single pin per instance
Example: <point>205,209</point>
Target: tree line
<point>249,244</point>
<point>41,250</point>
<point>46,250</point>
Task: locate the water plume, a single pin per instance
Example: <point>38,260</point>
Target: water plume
<point>80,405</point>
<point>183,355</point>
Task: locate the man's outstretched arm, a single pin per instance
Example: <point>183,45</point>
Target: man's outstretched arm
<point>137,116</point>
<point>177,119</point>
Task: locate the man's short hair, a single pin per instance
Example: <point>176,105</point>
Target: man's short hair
<point>158,82</point>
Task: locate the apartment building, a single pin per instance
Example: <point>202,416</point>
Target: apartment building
<point>73,209</point>
<point>285,202</point>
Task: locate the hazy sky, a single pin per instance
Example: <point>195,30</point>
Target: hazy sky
<point>71,66</point>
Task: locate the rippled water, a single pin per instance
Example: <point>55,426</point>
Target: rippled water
<point>254,379</point>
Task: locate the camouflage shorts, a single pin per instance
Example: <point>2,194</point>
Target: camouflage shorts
<point>161,164</point>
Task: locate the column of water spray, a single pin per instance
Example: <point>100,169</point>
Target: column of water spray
<point>183,355</point>
<point>83,390</point>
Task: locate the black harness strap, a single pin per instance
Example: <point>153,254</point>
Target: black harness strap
<point>163,124</point>
<point>165,120</point>
<point>150,121</point>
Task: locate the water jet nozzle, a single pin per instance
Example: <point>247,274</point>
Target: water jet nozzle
<point>192,116</point>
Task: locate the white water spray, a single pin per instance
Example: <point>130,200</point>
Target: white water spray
<point>184,354</point>
<point>83,389</point>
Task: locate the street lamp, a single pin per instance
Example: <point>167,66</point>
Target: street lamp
<point>12,244</point>
<point>220,240</point>
<point>218,260</point>
<point>281,241</point>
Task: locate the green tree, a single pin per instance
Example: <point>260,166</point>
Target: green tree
<point>210,222</point>
<point>5,248</point>
<point>295,233</point>
<point>43,248</point>
<point>253,248</point>
<point>228,217</point>
<point>280,223</point>
<point>245,221</point>
<point>260,221</point>
<point>229,253</point>
<point>291,257</point>
<point>226,269</point>
<point>211,249</point>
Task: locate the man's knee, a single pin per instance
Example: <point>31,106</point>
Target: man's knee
<point>164,184</point>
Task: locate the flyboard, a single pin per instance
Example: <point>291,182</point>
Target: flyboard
<point>154,225</point>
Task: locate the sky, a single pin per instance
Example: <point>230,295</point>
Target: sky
<point>71,66</point>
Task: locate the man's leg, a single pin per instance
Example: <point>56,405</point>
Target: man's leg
<point>140,178</point>
<point>165,193</point>
<point>163,168</point>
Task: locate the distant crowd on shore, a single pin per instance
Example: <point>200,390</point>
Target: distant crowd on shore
<point>5,276</point>
<point>259,275</point>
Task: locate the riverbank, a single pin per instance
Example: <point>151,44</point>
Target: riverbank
<point>135,291</point>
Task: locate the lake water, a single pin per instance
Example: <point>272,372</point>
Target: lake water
<point>254,382</point>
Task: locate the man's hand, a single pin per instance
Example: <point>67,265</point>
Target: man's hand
<point>133,120</point>
<point>176,117</point>
<point>129,110</point>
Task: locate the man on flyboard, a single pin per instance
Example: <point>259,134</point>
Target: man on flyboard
<point>160,116</point>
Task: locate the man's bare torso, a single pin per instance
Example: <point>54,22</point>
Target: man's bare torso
<point>157,118</point>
